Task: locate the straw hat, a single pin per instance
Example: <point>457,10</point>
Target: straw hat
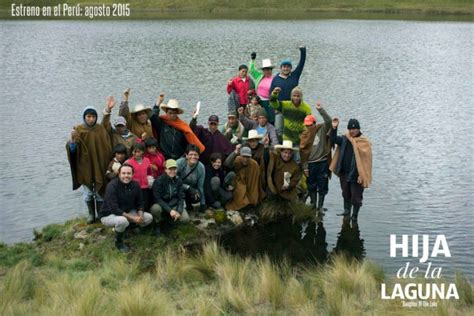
<point>287,144</point>
<point>267,63</point>
<point>172,104</point>
<point>140,108</point>
<point>253,134</point>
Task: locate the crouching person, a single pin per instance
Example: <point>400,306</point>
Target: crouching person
<point>123,204</point>
<point>217,184</point>
<point>192,172</point>
<point>169,197</point>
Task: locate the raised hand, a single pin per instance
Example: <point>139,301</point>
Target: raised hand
<point>318,105</point>
<point>126,94</point>
<point>335,122</point>
<point>144,135</point>
<point>277,90</point>
<point>241,110</point>
<point>266,141</point>
<point>74,135</point>
<point>110,103</point>
<point>253,55</point>
<point>160,99</point>
<point>237,149</point>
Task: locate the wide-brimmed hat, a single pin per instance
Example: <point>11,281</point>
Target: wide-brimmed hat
<point>140,108</point>
<point>267,63</point>
<point>253,134</point>
<point>287,144</point>
<point>172,104</point>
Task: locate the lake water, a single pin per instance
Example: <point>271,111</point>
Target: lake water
<point>410,84</point>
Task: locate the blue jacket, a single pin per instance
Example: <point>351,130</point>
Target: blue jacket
<point>292,81</point>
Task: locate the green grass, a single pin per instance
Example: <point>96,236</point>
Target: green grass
<point>280,9</point>
<point>64,275</point>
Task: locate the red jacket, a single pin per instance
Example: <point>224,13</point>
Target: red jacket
<point>241,88</point>
<point>140,171</point>
<point>158,160</point>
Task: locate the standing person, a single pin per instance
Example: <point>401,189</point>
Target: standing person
<point>137,120</point>
<point>241,85</point>
<point>89,151</point>
<point>283,173</point>
<point>119,132</point>
<point>254,106</point>
<point>213,140</point>
<point>233,130</point>
<point>157,160</point>
<point>120,154</point>
<point>192,172</point>
<point>262,125</point>
<point>294,113</point>
<point>263,80</point>
<point>173,133</point>
<point>287,80</point>
<point>315,148</point>
<point>352,163</point>
<point>123,204</point>
<point>142,169</point>
<point>169,197</point>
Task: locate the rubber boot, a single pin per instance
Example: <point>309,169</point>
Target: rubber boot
<point>91,208</point>
<point>355,213</point>
<point>321,202</point>
<point>119,242</point>
<point>314,197</point>
<point>157,230</point>
<point>98,207</point>
<point>347,209</point>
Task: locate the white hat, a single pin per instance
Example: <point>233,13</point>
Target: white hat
<point>140,108</point>
<point>253,134</point>
<point>267,63</point>
<point>172,104</point>
<point>287,144</point>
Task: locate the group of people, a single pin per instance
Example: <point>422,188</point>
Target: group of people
<point>149,165</point>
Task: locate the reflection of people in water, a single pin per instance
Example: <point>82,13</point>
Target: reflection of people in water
<point>349,241</point>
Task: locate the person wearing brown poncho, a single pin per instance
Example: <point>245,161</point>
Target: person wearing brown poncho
<point>89,152</point>
<point>283,173</point>
<point>247,186</point>
<point>138,119</point>
<point>315,149</point>
<point>352,163</point>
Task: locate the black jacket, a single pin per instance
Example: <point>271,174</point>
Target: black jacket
<point>169,193</point>
<point>210,173</point>
<point>346,163</point>
<point>120,198</point>
<point>172,142</point>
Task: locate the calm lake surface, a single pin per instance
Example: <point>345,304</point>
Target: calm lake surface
<point>410,84</point>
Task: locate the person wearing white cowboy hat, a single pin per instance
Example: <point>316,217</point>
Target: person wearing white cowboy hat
<point>252,141</point>
<point>138,119</point>
<point>263,78</point>
<point>173,133</point>
<point>283,173</point>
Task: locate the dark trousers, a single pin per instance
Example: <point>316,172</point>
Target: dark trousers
<point>191,199</point>
<point>351,191</point>
<point>147,199</point>
<point>318,177</point>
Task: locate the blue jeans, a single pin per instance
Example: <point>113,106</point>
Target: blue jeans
<point>318,177</point>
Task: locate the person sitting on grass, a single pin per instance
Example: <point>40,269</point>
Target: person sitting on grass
<point>169,197</point>
<point>192,172</point>
<point>89,151</point>
<point>218,184</point>
<point>120,154</point>
<point>247,183</point>
<point>283,173</point>
<point>123,204</point>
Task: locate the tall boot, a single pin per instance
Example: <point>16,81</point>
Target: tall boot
<point>156,230</point>
<point>320,202</point>
<point>355,213</point>
<point>313,196</point>
<point>347,209</point>
<point>119,242</point>
<point>91,208</point>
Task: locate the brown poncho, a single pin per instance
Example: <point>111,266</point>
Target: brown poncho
<point>307,140</point>
<point>89,162</point>
<point>363,155</point>
<point>248,189</point>
<point>275,176</point>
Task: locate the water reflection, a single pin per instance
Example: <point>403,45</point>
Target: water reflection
<point>349,242</point>
<point>298,242</point>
